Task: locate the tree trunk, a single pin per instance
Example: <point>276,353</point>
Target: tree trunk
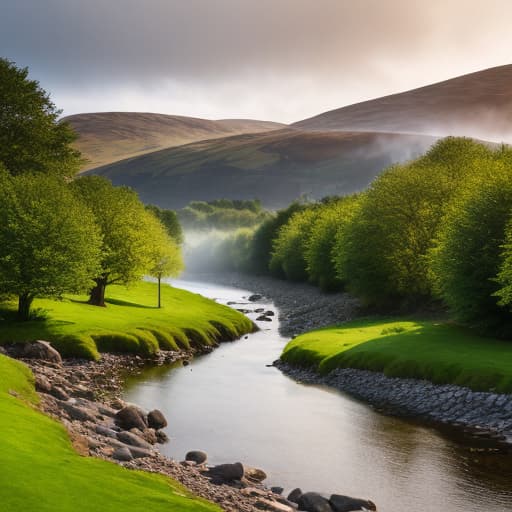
<point>159,277</point>
<point>97,296</point>
<point>24,303</point>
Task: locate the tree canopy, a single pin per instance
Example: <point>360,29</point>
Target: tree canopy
<point>31,137</point>
<point>49,242</point>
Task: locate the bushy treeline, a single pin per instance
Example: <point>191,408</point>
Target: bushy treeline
<point>436,228</point>
<point>222,214</point>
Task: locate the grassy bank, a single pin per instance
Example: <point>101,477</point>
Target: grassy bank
<point>436,351</point>
<point>41,471</point>
<point>131,322</point>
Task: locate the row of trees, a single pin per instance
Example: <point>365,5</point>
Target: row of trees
<point>58,233</point>
<point>439,227</point>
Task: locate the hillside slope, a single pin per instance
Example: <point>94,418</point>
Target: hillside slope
<point>477,105</point>
<point>106,137</point>
<point>276,167</point>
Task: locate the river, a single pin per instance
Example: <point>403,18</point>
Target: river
<point>233,406</point>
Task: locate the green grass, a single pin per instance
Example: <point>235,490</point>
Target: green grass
<point>423,349</point>
<point>41,471</point>
<point>131,322</point>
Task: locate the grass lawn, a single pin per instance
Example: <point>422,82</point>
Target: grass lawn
<point>436,351</point>
<point>41,472</point>
<point>131,322</point>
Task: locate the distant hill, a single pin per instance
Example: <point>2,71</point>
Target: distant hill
<point>107,137</point>
<point>477,105</point>
<point>276,167</point>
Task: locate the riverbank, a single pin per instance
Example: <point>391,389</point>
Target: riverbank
<point>85,397</point>
<point>302,307</point>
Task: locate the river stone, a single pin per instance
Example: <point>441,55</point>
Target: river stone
<point>228,472</point>
<point>313,502</point>
<point>295,495</point>
<point>273,506</point>
<point>43,384</point>
<point>131,417</point>
<point>77,413</point>
<point>156,420</point>
<point>105,431</point>
<point>122,454</point>
<point>41,350</point>
<point>139,453</point>
<point>59,393</point>
<point>255,474</point>
<point>341,503</point>
<point>263,318</point>
<point>132,440</point>
<point>196,456</point>
<point>277,490</point>
<point>161,437</point>
<point>269,313</point>
<point>254,297</point>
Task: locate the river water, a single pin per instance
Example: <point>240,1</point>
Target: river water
<point>231,405</point>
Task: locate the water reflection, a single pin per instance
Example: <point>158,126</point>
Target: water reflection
<point>231,405</point>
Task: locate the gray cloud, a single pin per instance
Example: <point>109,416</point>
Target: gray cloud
<point>279,59</point>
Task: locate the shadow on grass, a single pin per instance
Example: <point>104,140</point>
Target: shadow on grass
<point>118,302</point>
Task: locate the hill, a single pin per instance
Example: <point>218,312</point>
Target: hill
<point>276,167</point>
<point>477,105</point>
<point>106,137</point>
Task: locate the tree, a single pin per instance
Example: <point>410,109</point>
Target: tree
<point>128,232</point>
<point>164,253</point>
<point>170,220</point>
<point>49,242</point>
<point>31,137</point>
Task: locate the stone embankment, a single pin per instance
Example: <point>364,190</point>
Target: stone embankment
<point>484,418</point>
<point>85,397</point>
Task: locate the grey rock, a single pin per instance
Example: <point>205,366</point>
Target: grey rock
<point>122,453</point>
<point>196,456</point>
<point>227,472</point>
<point>255,297</point>
<point>341,503</point>
<point>77,413</point>
<point>42,350</point>
<point>105,431</point>
<point>138,453</point>
<point>132,440</point>
<point>277,490</point>
<point>43,384</point>
<point>313,502</point>
<point>269,313</point>
<point>295,495</point>
<point>254,474</point>
<point>263,318</point>
<point>156,420</point>
<point>131,417</point>
<point>59,393</point>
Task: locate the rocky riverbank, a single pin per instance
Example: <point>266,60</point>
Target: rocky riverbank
<point>302,307</point>
<point>483,419</point>
<point>85,397</point>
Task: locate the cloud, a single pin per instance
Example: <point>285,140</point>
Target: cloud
<point>279,59</point>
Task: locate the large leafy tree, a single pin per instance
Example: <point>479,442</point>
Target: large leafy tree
<point>31,137</point>
<point>49,242</point>
<point>132,236</point>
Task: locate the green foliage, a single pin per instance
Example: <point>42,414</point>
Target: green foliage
<point>331,220</point>
<point>436,351</point>
<point>469,251</point>
<point>170,220</point>
<point>260,250</point>
<point>36,448</point>
<point>49,242</point>
<point>289,251</point>
<point>31,137</point>
<point>222,214</point>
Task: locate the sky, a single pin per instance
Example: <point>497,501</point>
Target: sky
<point>279,60</point>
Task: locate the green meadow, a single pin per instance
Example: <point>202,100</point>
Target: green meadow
<point>424,349</point>
<point>130,323</point>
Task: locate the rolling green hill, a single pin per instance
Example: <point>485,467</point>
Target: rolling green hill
<point>277,166</point>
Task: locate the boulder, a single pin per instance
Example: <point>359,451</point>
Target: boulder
<point>263,318</point>
<point>59,393</point>
<point>77,413</point>
<point>43,384</point>
<point>254,474</point>
<point>156,420</point>
<point>133,440</point>
<point>341,503</point>
<point>313,502</point>
<point>196,456</point>
<point>269,313</point>
<point>122,454</point>
<point>105,431</point>
<point>42,350</point>
<point>149,435</point>
<point>277,490</point>
<point>138,453</point>
<point>131,417</point>
<point>273,506</point>
<point>161,437</point>
<point>295,495</point>
<point>227,472</point>
<point>254,297</point>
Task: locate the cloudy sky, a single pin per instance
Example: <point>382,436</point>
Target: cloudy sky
<point>281,60</point>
